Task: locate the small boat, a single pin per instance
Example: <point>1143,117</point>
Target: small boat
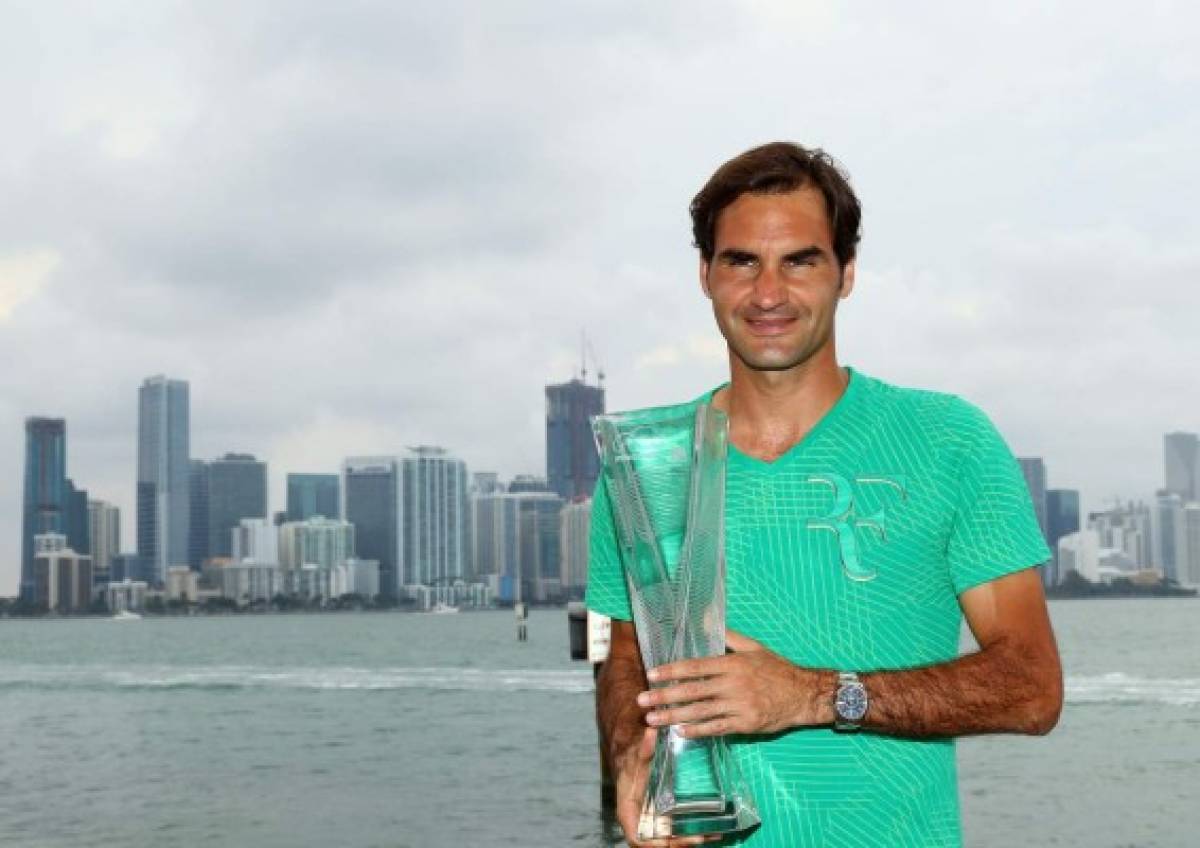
<point>126,615</point>
<point>442,609</point>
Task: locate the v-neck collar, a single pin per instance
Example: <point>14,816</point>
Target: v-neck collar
<point>831,416</point>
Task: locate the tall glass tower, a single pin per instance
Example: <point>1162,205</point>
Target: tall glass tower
<point>572,463</point>
<point>371,502</point>
<point>45,493</point>
<point>162,477</point>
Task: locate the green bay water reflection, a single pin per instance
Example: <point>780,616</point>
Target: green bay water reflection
<point>423,730</point>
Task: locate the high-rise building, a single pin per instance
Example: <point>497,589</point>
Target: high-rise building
<point>1127,528</point>
<point>575,522</point>
<point>45,490</point>
<point>371,502</point>
<point>237,489</point>
<point>254,540</point>
<point>1190,575</point>
<point>312,495</point>
<point>198,523</point>
<point>1181,461</point>
<point>433,518</point>
<point>1170,541</point>
<point>162,478</point>
<point>324,542</point>
<point>1062,517</point>
<point>62,578</point>
<point>104,532</point>
<point>76,525</point>
<point>517,545</point>
<point>572,462</point>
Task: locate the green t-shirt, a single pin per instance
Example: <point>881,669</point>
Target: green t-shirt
<point>849,552</point>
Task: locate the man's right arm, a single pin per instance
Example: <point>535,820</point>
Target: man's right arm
<point>628,742</point>
<point>622,722</point>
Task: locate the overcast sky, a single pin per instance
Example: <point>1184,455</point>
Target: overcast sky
<point>358,226</point>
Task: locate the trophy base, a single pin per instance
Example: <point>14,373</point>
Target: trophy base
<point>697,817</point>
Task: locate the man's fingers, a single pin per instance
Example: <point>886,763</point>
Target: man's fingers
<point>694,712</point>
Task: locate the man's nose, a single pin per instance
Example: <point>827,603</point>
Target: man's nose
<point>769,290</point>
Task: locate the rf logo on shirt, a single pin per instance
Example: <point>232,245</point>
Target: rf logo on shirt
<point>843,518</point>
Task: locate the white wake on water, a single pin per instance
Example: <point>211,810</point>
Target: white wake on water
<point>317,678</point>
<point>1112,688</point>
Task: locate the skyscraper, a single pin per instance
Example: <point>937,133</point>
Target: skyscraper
<point>162,477</point>
<point>104,532</point>
<point>572,463</point>
<point>371,502</point>
<point>1062,518</point>
<point>198,550</point>
<point>1170,539</point>
<point>1181,461</point>
<point>575,522</point>
<point>312,495</point>
<point>76,525</point>
<point>45,490</point>
<point>433,518</point>
<point>237,489</point>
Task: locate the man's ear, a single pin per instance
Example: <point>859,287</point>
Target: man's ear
<point>847,279</point>
<point>704,277</point>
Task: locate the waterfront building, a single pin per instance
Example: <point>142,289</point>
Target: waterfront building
<point>524,483</point>
<point>1181,465</point>
<point>255,540</point>
<point>76,526</point>
<point>182,584</point>
<point>433,517</point>
<point>312,495</point>
<point>198,523</point>
<point>44,503</point>
<point>317,541</point>
<point>125,595</point>
<point>572,461</point>
<point>237,489</point>
<point>1190,575</point>
<point>62,578</point>
<point>245,582</point>
<point>1126,527</point>
<point>575,523</point>
<point>104,532</point>
<point>1167,527</point>
<point>163,508</point>
<point>1062,517</point>
<point>354,577</point>
<point>371,502</point>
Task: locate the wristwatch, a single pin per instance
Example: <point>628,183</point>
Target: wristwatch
<point>850,703</point>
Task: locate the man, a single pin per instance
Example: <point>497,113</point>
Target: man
<point>863,521</point>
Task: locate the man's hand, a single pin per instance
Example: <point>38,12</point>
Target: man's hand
<point>632,771</point>
<point>750,691</point>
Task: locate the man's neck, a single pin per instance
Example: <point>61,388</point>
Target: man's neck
<point>772,411</point>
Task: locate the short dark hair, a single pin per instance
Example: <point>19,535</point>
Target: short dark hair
<point>778,168</point>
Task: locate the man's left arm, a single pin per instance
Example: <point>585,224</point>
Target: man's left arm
<point>1013,684</point>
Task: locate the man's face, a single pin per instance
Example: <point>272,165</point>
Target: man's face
<point>774,280</point>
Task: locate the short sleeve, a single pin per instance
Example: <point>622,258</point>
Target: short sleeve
<point>607,593</point>
<point>994,531</point>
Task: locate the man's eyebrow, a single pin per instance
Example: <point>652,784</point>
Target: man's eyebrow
<point>810,252</point>
<point>736,254</point>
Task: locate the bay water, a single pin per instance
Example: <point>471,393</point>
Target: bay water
<point>400,729</point>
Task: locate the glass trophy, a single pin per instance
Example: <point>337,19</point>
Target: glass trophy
<point>665,473</point>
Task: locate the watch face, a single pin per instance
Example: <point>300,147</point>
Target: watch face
<point>852,702</point>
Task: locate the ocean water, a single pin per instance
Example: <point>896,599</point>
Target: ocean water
<point>420,730</point>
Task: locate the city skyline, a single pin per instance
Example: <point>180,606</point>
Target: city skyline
<point>348,249</point>
<point>250,473</point>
